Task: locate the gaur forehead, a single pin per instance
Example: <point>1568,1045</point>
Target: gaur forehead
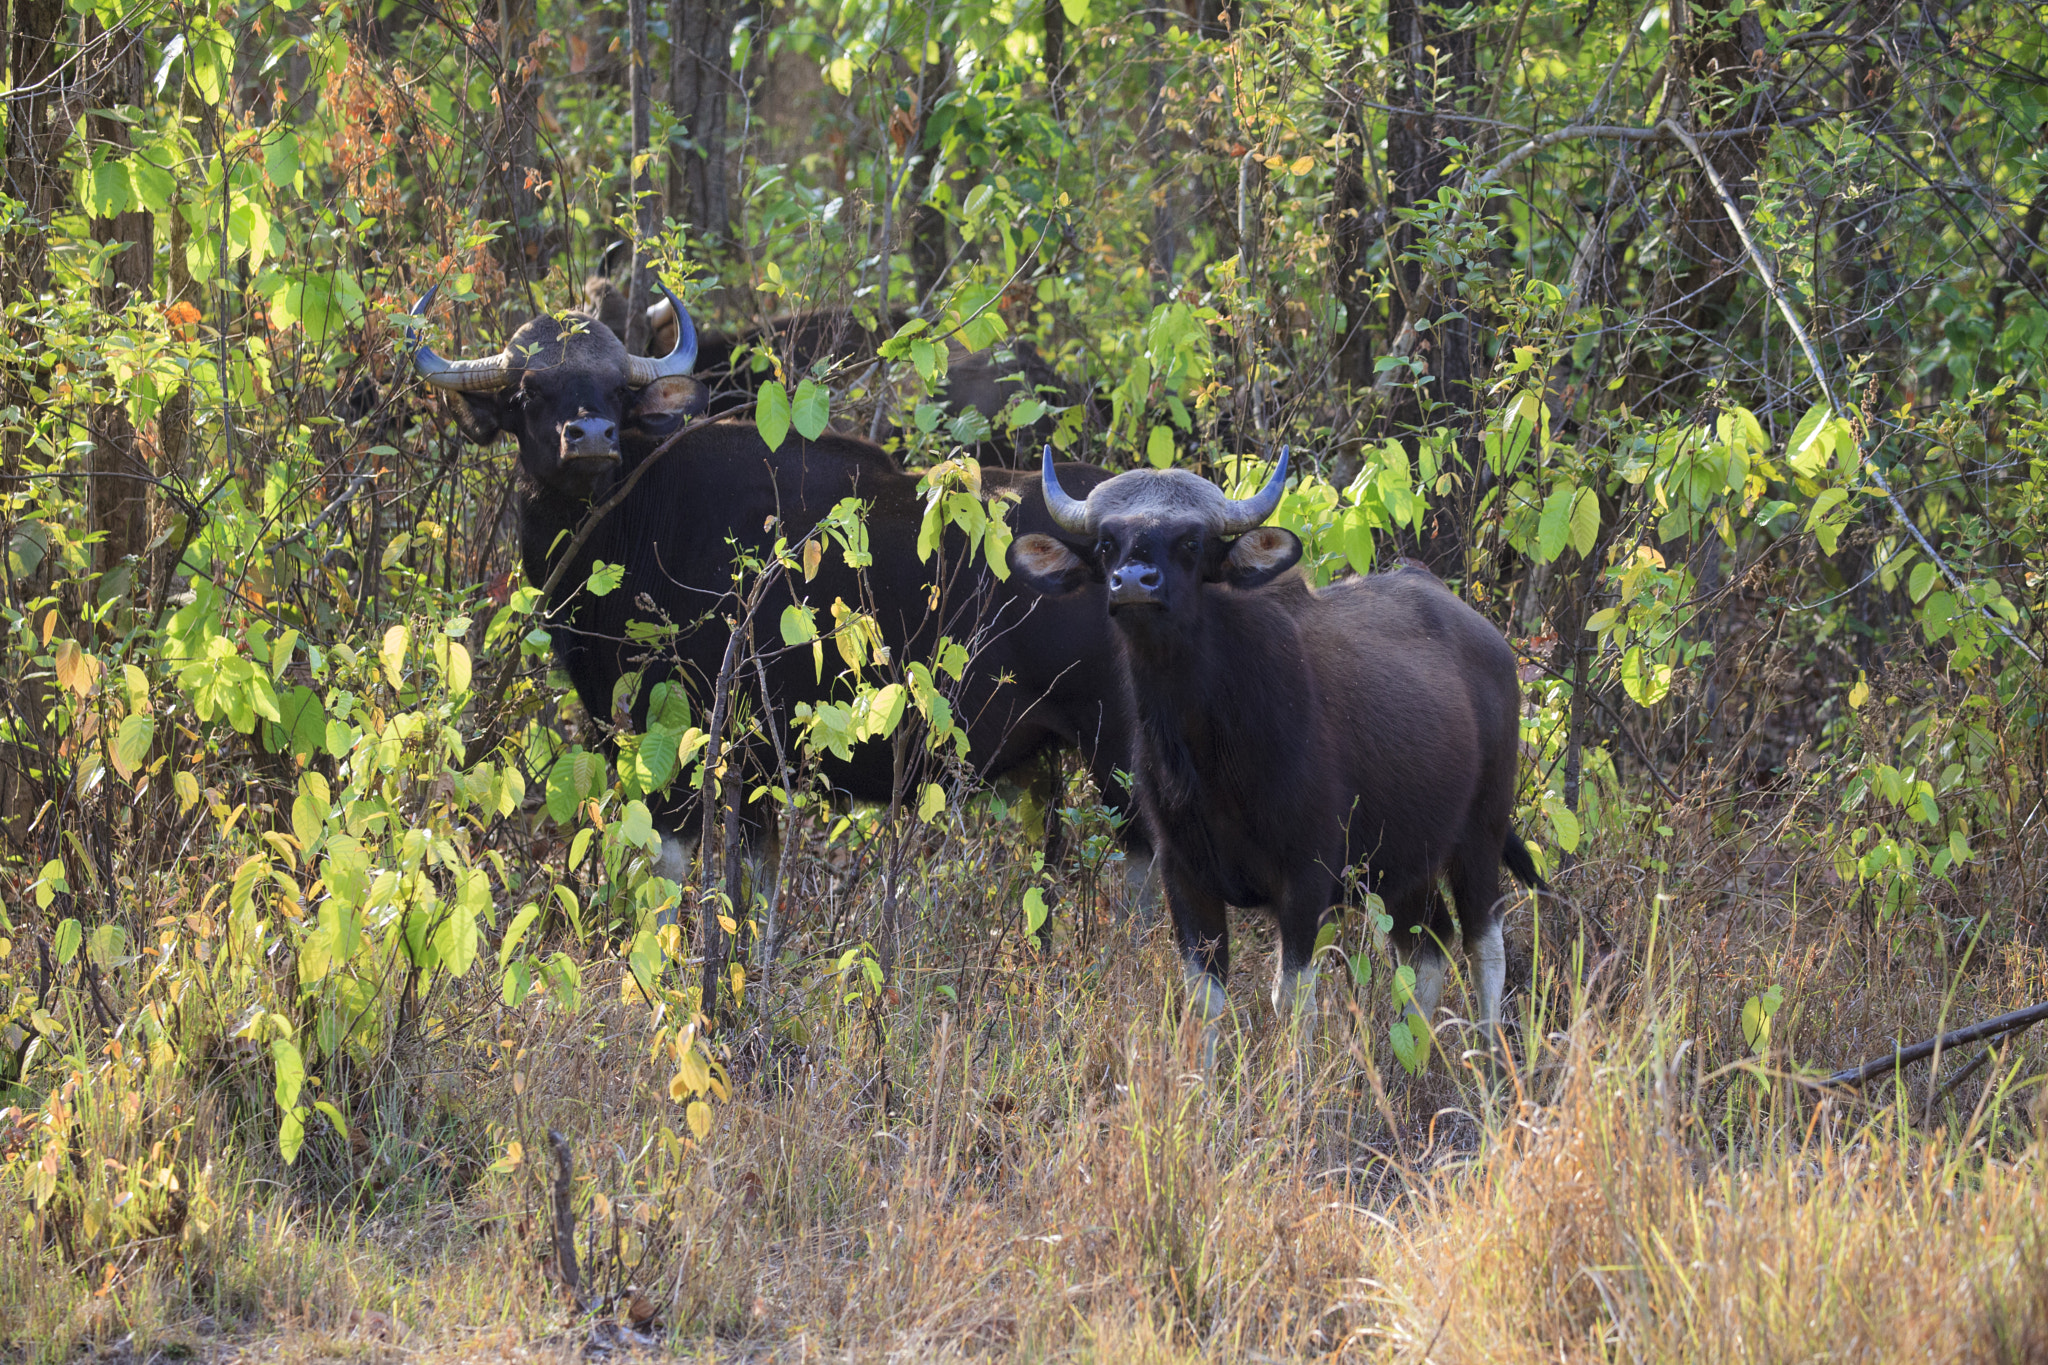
<point>574,342</point>
<point>1159,495</point>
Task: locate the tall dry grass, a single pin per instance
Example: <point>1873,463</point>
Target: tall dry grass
<point>1009,1157</point>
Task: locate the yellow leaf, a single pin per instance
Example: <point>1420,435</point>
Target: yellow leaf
<point>49,626</point>
<point>1302,165</point>
<point>693,1073</point>
<point>187,787</point>
<point>677,1089</point>
<point>1859,694</point>
<point>76,669</point>
<point>699,1115</point>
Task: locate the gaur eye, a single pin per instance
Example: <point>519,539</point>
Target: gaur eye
<point>1105,547</point>
<point>1192,545</point>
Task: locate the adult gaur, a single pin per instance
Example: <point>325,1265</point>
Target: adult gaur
<point>585,413</point>
<point>1289,738</point>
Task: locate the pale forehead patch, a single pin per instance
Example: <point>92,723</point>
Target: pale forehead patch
<point>1164,494</point>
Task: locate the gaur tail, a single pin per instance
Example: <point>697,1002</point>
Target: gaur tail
<point>1516,856</point>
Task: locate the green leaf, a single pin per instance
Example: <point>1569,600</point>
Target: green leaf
<point>1036,911</point>
<point>333,1116</point>
<point>1553,531</point>
<point>637,827</point>
<point>812,410</point>
<point>799,624</point>
<point>1159,447</point>
<point>1585,521</point>
<point>604,578</point>
<point>291,1072</point>
<point>68,938</point>
<point>932,803</point>
<point>291,1135</point>
<point>1921,579</point>
<point>131,744</point>
<point>771,414</point>
<point>1076,11</point>
<point>1563,821</point>
<point>515,931</point>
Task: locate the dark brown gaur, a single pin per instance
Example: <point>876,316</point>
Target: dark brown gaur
<point>1288,739</point>
<point>1040,675</point>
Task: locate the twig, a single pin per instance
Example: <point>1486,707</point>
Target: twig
<point>565,1219</point>
<point>1962,1037</point>
<point>1827,390</point>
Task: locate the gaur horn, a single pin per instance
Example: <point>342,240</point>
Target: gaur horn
<point>1241,514</point>
<point>682,357</point>
<point>461,376</point>
<point>1069,514</point>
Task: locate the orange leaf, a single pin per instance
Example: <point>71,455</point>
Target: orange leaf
<point>76,669</point>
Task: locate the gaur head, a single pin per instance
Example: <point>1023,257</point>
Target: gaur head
<point>564,387</point>
<point>1154,537</point>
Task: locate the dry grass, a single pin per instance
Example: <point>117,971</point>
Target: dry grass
<point>1010,1159</point>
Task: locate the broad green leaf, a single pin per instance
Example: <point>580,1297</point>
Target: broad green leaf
<point>515,931</point>
<point>604,578</point>
<point>1921,579</point>
<point>1159,447</point>
<point>131,744</point>
<point>68,938</point>
<point>1585,521</point>
<point>1036,911</point>
<point>771,414</point>
<point>812,410</point>
<point>291,1072</point>
<point>392,655</point>
<point>1554,530</point>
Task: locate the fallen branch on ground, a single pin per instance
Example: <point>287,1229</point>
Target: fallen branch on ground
<point>1962,1037</point>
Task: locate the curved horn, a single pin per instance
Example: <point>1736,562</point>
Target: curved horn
<point>1069,514</point>
<point>460,376</point>
<point>682,357</point>
<point>1241,514</point>
<point>609,257</point>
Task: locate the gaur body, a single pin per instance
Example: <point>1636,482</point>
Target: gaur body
<point>1040,673</point>
<point>1289,739</point>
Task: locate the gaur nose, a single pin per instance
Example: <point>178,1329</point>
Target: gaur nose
<point>588,437</point>
<point>1133,583</point>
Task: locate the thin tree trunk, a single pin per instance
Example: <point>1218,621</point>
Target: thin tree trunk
<point>646,212</point>
<point>928,253</point>
<point>1054,50</point>
<point>519,92</point>
<point>119,501</point>
<point>699,81</point>
<point>1353,229</point>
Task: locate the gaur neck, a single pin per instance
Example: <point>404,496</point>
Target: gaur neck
<point>548,521</point>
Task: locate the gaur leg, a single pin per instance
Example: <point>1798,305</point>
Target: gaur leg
<point>1300,917</point>
<point>1202,929</point>
<point>1475,882</point>
<point>1421,923</point>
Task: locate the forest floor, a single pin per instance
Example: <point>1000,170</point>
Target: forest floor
<point>1006,1154</point>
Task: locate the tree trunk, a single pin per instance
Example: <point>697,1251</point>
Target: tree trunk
<point>1054,51</point>
<point>119,502</point>
<point>1690,298</point>
<point>33,141</point>
<point>519,133</point>
<point>1353,230</point>
<point>646,212</point>
<point>928,253</point>
<point>699,80</point>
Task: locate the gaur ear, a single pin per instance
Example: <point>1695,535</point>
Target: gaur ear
<point>1048,565</point>
<point>674,396</point>
<point>1259,556</point>
<point>481,416</point>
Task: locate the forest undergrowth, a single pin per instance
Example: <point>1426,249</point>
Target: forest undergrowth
<point>1009,1152</point>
